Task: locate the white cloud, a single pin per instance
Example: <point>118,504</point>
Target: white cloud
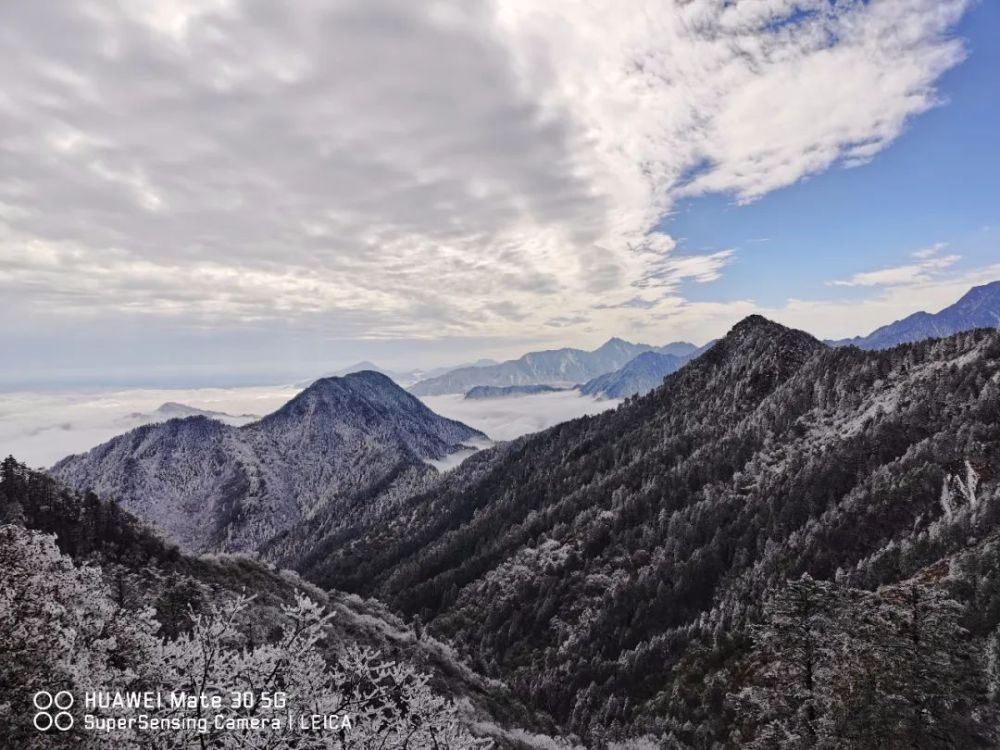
<point>388,168</point>
<point>40,428</point>
<point>912,273</point>
<point>883,304</point>
<point>509,418</point>
<point>929,252</point>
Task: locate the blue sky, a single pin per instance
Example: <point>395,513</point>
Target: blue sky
<point>937,183</point>
<point>219,191</point>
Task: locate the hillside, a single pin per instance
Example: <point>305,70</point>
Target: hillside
<point>145,572</point>
<point>640,375</point>
<point>610,568</point>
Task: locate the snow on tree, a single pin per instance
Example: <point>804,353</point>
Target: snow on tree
<point>843,668</point>
<point>389,705</point>
<point>795,661</point>
<point>60,629</point>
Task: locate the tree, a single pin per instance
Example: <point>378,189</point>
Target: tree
<point>60,629</point>
<point>795,654</point>
<point>930,680</point>
<point>846,668</point>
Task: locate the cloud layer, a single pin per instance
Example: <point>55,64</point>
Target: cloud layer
<point>396,169</point>
<point>41,428</point>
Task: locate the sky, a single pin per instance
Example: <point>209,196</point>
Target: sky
<point>225,192</point>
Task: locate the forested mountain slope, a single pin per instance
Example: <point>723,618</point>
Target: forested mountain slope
<point>610,568</point>
<point>333,456</point>
<point>115,574</point>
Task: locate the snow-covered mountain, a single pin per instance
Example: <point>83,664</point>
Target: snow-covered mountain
<point>402,377</point>
<point>640,375</point>
<point>558,367</point>
<point>173,410</point>
<point>644,544</point>
<point>336,454</point>
<point>979,308</point>
<point>643,373</point>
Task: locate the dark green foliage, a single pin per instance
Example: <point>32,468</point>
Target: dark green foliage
<point>836,667</point>
<point>86,527</point>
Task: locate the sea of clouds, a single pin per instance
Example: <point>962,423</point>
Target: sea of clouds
<point>39,428</point>
<point>508,418</point>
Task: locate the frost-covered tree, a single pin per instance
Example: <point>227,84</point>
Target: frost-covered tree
<point>389,705</point>
<point>61,629</point>
<point>846,668</point>
<point>930,681</point>
<point>791,703</point>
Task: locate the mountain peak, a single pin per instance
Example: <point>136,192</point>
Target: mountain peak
<point>555,367</point>
<point>342,445</point>
<point>992,286</point>
<point>759,337</point>
<point>756,322</point>
<point>370,376</point>
<point>615,343</point>
<point>352,381</point>
<point>358,393</point>
<point>359,366</point>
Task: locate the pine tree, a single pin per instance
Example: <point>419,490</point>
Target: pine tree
<point>796,649</point>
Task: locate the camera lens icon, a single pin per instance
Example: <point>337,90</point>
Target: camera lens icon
<point>45,719</point>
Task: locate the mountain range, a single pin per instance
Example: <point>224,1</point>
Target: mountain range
<point>640,375</point>
<point>609,371</point>
<point>654,573</point>
<point>338,452</point>
<point>557,367</point>
<point>978,308</point>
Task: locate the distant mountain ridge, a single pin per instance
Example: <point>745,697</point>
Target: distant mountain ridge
<point>641,374</point>
<point>174,410</point>
<point>978,308</point>
<point>335,454</point>
<point>402,377</point>
<point>510,391</point>
<point>557,367</point>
